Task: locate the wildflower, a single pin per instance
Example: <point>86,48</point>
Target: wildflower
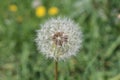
<point>40,11</point>
<point>53,11</point>
<point>19,19</point>
<point>59,38</point>
<point>13,8</point>
<point>36,3</point>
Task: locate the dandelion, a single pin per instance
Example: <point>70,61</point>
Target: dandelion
<point>118,16</point>
<point>13,8</point>
<point>19,19</point>
<point>53,11</point>
<point>40,11</point>
<point>36,3</point>
<point>59,38</point>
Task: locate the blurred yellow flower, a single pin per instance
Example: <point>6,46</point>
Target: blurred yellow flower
<point>40,11</point>
<point>13,8</point>
<point>53,11</point>
<point>19,19</point>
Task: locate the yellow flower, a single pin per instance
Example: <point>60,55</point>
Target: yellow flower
<point>40,11</point>
<point>13,8</point>
<point>53,11</point>
<point>19,19</point>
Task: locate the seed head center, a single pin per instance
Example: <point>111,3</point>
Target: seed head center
<point>59,38</point>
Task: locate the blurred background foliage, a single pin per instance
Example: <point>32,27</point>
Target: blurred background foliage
<point>99,58</point>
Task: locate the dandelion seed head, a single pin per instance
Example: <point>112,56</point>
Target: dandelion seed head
<point>59,38</point>
<point>36,3</point>
<point>118,16</point>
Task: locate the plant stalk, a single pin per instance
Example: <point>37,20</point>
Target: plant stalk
<point>56,70</point>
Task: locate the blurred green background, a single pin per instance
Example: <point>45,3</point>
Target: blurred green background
<point>98,59</point>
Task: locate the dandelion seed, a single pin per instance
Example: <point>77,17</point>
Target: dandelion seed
<point>53,11</point>
<point>59,38</point>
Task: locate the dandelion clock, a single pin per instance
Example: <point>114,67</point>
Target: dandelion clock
<point>59,39</point>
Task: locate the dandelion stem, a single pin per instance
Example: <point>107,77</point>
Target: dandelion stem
<point>56,70</point>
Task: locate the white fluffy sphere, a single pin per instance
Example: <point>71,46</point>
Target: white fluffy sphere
<point>59,38</point>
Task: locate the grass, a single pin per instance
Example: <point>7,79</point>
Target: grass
<point>99,58</point>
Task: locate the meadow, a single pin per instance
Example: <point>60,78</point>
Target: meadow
<point>98,59</point>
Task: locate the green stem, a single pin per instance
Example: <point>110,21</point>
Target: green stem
<point>56,70</point>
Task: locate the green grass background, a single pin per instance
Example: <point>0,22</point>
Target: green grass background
<point>98,59</point>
